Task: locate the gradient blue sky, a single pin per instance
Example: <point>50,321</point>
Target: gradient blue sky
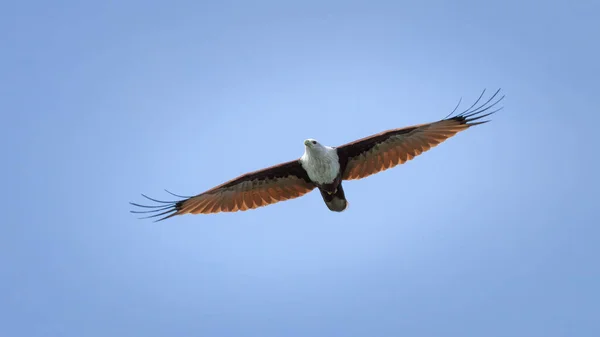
<point>493,233</point>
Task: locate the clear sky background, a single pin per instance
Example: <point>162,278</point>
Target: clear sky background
<point>493,233</point>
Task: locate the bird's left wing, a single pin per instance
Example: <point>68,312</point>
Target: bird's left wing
<point>252,190</point>
<point>385,150</point>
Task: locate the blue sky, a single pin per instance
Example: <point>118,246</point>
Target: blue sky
<point>493,233</point>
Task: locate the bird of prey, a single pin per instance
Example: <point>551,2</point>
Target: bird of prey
<point>324,167</point>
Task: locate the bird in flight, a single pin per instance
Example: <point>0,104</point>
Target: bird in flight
<point>324,167</point>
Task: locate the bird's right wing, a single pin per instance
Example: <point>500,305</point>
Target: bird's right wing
<point>252,190</point>
<point>385,150</point>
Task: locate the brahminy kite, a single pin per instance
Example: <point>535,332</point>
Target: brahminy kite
<point>325,167</point>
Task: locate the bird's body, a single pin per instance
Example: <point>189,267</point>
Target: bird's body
<point>324,168</point>
<point>322,165</point>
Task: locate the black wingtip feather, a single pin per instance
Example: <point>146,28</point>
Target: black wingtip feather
<point>456,107</point>
<point>177,195</point>
<point>471,114</point>
<point>168,207</point>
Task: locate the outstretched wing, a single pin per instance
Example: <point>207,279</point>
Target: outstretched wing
<point>385,150</point>
<point>252,190</point>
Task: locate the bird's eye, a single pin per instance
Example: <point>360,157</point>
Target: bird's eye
<point>314,142</point>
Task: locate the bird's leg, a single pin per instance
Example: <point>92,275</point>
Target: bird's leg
<point>330,188</point>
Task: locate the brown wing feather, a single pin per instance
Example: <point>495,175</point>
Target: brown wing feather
<point>387,149</point>
<point>252,190</point>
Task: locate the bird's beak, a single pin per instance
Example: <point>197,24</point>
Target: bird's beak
<point>307,142</point>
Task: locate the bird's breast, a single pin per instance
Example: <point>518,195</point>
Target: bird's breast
<point>322,169</point>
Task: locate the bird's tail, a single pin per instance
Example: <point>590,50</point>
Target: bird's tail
<point>336,202</point>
